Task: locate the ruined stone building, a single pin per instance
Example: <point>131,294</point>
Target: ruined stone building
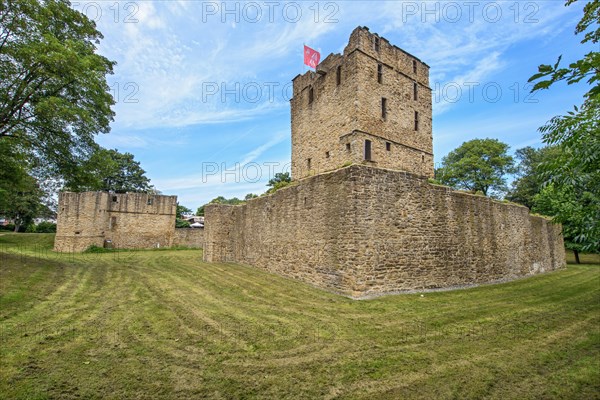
<point>361,217</point>
<point>127,221</point>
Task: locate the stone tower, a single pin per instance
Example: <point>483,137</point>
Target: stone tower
<point>371,105</point>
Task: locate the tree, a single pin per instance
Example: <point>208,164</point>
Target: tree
<point>20,195</point>
<point>479,165</point>
<point>250,196</point>
<point>179,221</point>
<point>569,208</point>
<point>530,174</point>
<point>280,180</point>
<point>577,136</point>
<point>53,93</point>
<point>182,210</point>
<point>22,200</point>
<point>219,200</point>
<point>109,170</point>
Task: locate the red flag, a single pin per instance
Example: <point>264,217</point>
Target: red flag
<point>311,57</point>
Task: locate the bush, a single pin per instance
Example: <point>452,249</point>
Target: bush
<point>9,227</point>
<point>180,223</point>
<point>30,228</point>
<point>46,227</point>
<point>96,249</point>
<point>278,185</point>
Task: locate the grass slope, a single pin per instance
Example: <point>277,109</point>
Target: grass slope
<point>165,325</point>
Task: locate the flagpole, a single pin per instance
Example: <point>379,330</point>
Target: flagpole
<point>303,65</point>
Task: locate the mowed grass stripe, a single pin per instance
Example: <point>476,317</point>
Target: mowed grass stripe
<point>230,310</point>
<point>165,325</point>
<point>240,301</point>
<point>452,367</point>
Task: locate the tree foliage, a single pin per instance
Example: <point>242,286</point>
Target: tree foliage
<point>21,198</point>
<point>53,93</point>
<point>182,210</point>
<point>221,200</point>
<point>571,208</point>
<point>109,170</point>
<point>479,165</point>
<point>575,175</point>
<point>280,180</point>
<point>567,203</point>
<point>279,177</point>
<point>529,180</point>
<point>179,221</point>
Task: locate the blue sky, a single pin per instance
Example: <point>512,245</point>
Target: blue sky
<point>202,87</point>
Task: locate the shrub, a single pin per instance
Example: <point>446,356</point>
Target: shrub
<point>96,249</point>
<point>180,223</point>
<point>46,227</point>
<point>9,227</point>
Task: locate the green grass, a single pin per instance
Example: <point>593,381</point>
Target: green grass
<point>584,258</point>
<point>165,325</point>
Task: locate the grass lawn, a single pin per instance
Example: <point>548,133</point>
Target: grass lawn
<point>165,325</point>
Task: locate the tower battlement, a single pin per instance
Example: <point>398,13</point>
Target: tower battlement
<point>370,105</point>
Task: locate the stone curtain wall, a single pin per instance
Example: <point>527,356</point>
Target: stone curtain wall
<point>131,220</point>
<point>361,231</point>
<point>295,232</point>
<point>189,237</point>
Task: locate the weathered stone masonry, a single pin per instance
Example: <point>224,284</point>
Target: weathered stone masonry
<point>131,220</point>
<point>339,108</point>
<point>361,230</point>
<point>380,226</point>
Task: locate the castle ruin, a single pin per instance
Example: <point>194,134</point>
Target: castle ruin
<point>126,221</point>
<point>361,218</point>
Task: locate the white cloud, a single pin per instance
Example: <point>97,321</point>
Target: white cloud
<point>216,175</point>
<point>466,82</point>
<point>472,47</point>
<point>170,54</point>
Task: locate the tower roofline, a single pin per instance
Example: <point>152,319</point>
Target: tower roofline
<point>366,28</point>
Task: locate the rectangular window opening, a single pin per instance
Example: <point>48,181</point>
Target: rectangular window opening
<point>415,90</point>
<point>368,150</point>
<point>388,146</point>
<point>311,95</point>
<point>379,73</point>
<point>338,75</point>
<point>348,147</point>
<point>308,162</point>
<point>416,120</point>
<point>327,154</point>
<point>114,199</point>
<point>383,108</point>
<point>414,66</point>
<point>376,43</point>
<point>150,201</point>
